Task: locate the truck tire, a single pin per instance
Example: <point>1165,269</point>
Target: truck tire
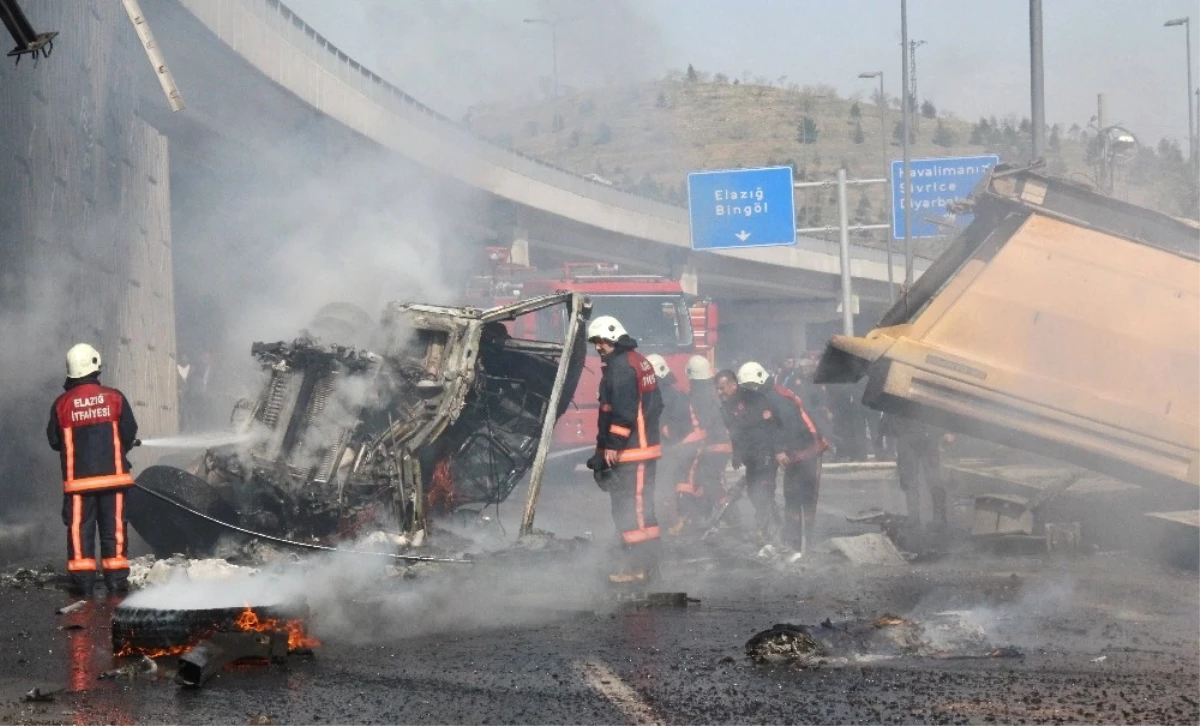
<point>168,529</point>
<point>145,630</point>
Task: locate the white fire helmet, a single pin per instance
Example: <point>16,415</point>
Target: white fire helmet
<point>82,360</point>
<point>605,327</point>
<point>752,373</point>
<point>698,369</point>
<point>661,369</point>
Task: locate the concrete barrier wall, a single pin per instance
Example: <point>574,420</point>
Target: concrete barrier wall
<point>84,216</point>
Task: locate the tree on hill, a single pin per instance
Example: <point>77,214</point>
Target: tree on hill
<point>859,136</point>
<point>980,132</point>
<point>806,131</point>
<point>855,111</point>
<point>692,76</point>
<point>1055,137</point>
<point>928,110</point>
<point>661,101</point>
<point>943,136</point>
<point>603,134</point>
<point>898,133</point>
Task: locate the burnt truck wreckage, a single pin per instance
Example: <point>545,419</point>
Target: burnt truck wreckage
<point>441,408</point>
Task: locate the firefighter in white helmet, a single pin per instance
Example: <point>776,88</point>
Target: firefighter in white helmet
<point>704,483</point>
<point>798,449</point>
<point>93,428</point>
<point>628,446</point>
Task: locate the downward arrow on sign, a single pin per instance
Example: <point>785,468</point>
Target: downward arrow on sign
<point>743,235</point>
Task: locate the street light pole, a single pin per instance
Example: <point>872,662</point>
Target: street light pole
<point>553,46</point>
<point>1037,80</point>
<point>1187,28</point>
<point>905,182</point>
<point>887,173</point>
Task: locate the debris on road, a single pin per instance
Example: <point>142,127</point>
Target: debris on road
<point>147,571</point>
<point>199,664</point>
<point>868,549</point>
<point>71,608</point>
<point>37,695</point>
<point>25,576</point>
<point>785,643</point>
<point>144,666</point>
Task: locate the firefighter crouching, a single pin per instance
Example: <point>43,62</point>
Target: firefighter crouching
<point>628,446</point>
<point>93,428</point>
<point>754,432</point>
<point>800,450</point>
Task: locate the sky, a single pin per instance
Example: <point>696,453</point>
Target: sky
<point>454,54</point>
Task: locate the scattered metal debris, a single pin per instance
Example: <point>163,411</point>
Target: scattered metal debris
<point>37,695</point>
<point>648,600</point>
<point>71,608</point>
<point>144,666</point>
<point>207,658</point>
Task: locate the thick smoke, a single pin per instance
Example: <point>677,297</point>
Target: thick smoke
<point>454,55</point>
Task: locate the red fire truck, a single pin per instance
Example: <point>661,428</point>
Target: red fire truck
<point>655,310</point>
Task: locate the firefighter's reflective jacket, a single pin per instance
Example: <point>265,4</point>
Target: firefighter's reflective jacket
<point>630,405</point>
<point>92,427</point>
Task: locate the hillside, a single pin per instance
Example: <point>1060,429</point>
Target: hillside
<point>647,137</point>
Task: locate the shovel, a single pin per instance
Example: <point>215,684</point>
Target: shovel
<point>731,496</point>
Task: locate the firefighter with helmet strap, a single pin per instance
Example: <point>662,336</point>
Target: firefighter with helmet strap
<point>704,481</point>
<point>93,428</point>
<point>628,446</point>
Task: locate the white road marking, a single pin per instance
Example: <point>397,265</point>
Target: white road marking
<point>602,680</point>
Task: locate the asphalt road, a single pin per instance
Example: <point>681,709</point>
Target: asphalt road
<point>1106,638</point>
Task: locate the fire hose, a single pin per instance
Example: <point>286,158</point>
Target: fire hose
<point>301,545</point>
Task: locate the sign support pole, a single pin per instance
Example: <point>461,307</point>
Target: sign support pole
<point>844,243</point>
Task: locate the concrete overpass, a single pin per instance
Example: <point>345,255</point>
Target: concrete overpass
<point>557,211</point>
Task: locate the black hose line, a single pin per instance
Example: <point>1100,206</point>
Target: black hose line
<point>301,545</point>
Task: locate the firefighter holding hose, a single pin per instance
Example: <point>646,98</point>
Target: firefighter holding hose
<point>628,446</point>
<point>93,428</point>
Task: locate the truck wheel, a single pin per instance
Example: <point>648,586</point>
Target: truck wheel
<point>167,528</point>
<point>147,630</point>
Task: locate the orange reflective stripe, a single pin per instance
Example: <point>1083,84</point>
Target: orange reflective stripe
<point>644,453</point>
<point>606,407</point>
<point>638,498</point>
<point>114,563</point>
<point>723,448</point>
<point>619,430</point>
<point>641,424</point>
<point>812,428</point>
<point>685,487</point>
<point>696,435</point>
<point>92,483</point>
<point>69,447</point>
<point>640,535</point>
<point>76,526</point>
<point>118,465</point>
<point>81,565</point>
<point>119,524</point>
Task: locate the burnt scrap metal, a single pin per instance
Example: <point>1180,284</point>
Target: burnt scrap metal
<point>1061,321</point>
<point>210,656</point>
<point>29,41</point>
<point>436,408</point>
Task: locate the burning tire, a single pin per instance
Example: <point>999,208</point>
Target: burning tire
<point>169,529</point>
<point>165,632</point>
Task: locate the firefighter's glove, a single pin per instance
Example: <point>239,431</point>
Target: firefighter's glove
<point>601,472</point>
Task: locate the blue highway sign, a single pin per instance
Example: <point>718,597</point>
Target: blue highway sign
<point>934,184</point>
<point>742,208</point>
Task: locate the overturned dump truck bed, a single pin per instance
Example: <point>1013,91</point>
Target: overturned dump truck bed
<point>358,425</point>
<point>1061,321</point>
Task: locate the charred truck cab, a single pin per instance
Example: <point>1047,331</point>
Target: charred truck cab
<point>656,311</point>
<point>443,407</point>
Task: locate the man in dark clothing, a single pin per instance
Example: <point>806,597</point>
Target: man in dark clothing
<point>628,444</point>
<point>918,465</point>
<point>754,430</point>
<point>676,422</point>
<point>800,448</point>
<point>93,428</point>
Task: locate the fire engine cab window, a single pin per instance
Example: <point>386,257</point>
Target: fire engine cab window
<point>654,321</point>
